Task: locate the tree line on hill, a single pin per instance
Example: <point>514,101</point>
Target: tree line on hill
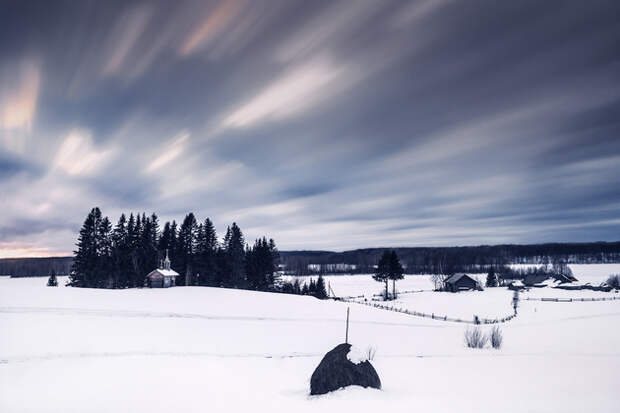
<point>123,255</point>
<point>449,260</point>
<point>33,267</point>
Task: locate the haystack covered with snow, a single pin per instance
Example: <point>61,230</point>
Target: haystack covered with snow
<point>343,366</point>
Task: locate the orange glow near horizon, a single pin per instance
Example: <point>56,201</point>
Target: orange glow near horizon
<point>31,252</point>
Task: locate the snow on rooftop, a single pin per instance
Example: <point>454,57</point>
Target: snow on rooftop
<point>167,273</point>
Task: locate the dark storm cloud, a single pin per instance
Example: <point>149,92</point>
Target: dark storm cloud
<point>323,124</point>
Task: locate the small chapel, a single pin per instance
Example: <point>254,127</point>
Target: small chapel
<point>162,277</point>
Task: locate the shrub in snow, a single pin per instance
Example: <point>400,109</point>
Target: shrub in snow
<point>492,280</point>
<point>613,281</point>
<point>475,338</point>
<point>496,337</point>
<point>342,367</point>
<point>52,281</point>
<point>370,353</point>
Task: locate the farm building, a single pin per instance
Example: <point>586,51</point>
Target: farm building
<point>162,277</point>
<point>461,282</point>
<point>536,280</point>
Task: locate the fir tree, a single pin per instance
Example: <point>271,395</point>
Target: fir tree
<point>296,286</point>
<point>320,291</point>
<point>235,254</point>
<point>52,281</point>
<point>395,271</point>
<point>186,248</point>
<point>91,263</point>
<point>120,254</point>
<point>492,280</point>
<point>383,271</point>
<point>104,271</point>
<point>85,257</point>
<point>206,251</point>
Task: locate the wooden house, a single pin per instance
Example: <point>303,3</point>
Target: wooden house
<point>461,282</point>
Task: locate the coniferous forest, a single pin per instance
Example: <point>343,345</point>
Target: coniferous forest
<point>121,256</point>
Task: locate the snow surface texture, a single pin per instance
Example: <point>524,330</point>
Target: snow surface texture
<point>196,349</point>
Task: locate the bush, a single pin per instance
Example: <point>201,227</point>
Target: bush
<point>370,353</point>
<point>614,281</point>
<point>496,337</point>
<point>475,338</point>
<point>52,281</point>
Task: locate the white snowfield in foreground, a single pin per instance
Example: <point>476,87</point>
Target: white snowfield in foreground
<point>197,349</point>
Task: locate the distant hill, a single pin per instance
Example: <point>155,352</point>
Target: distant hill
<point>418,260</point>
<point>430,260</point>
<point>35,267</point>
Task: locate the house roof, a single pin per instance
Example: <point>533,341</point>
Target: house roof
<point>454,278</point>
<point>535,279</point>
<point>165,273</point>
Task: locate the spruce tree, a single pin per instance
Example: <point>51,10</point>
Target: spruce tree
<point>104,272</point>
<point>383,271</point>
<point>320,292</point>
<point>186,249</point>
<point>206,251</point>
<point>120,258</point>
<point>235,254</point>
<point>85,256</point>
<point>492,280</point>
<point>395,272</point>
<point>52,281</point>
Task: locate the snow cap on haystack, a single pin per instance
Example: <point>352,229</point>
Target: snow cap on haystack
<point>340,369</point>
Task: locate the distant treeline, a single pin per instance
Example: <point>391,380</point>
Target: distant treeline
<point>417,260</point>
<point>448,260</point>
<point>35,267</point>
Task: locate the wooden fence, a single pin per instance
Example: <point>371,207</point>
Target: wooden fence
<point>570,300</point>
<point>404,292</point>
<point>475,320</point>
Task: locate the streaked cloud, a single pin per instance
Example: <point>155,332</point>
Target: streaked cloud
<point>18,96</point>
<point>325,125</point>
<point>124,37</point>
<point>77,154</point>
<point>216,21</point>
<point>170,152</point>
<point>296,91</point>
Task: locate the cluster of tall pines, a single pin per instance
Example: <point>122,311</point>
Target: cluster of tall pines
<point>121,256</point>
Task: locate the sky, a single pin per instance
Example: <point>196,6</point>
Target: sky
<point>327,125</point>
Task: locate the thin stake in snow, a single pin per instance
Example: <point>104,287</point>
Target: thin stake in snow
<point>346,336</point>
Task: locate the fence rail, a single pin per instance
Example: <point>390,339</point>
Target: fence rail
<point>476,320</point>
<point>570,300</point>
<point>404,292</point>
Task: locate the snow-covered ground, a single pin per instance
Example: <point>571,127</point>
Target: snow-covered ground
<point>190,349</point>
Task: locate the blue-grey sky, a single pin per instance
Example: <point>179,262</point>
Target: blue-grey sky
<point>324,124</point>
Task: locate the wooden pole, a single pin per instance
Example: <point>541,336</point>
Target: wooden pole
<point>346,337</point>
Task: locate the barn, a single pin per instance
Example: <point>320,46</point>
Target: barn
<point>461,282</point>
<point>162,277</point>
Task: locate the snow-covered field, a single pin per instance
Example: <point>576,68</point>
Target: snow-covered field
<point>191,349</point>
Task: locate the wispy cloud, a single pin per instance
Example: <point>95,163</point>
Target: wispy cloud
<point>19,92</point>
<point>216,21</point>
<point>323,124</point>
<point>77,154</point>
<point>296,91</point>
<point>170,152</point>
